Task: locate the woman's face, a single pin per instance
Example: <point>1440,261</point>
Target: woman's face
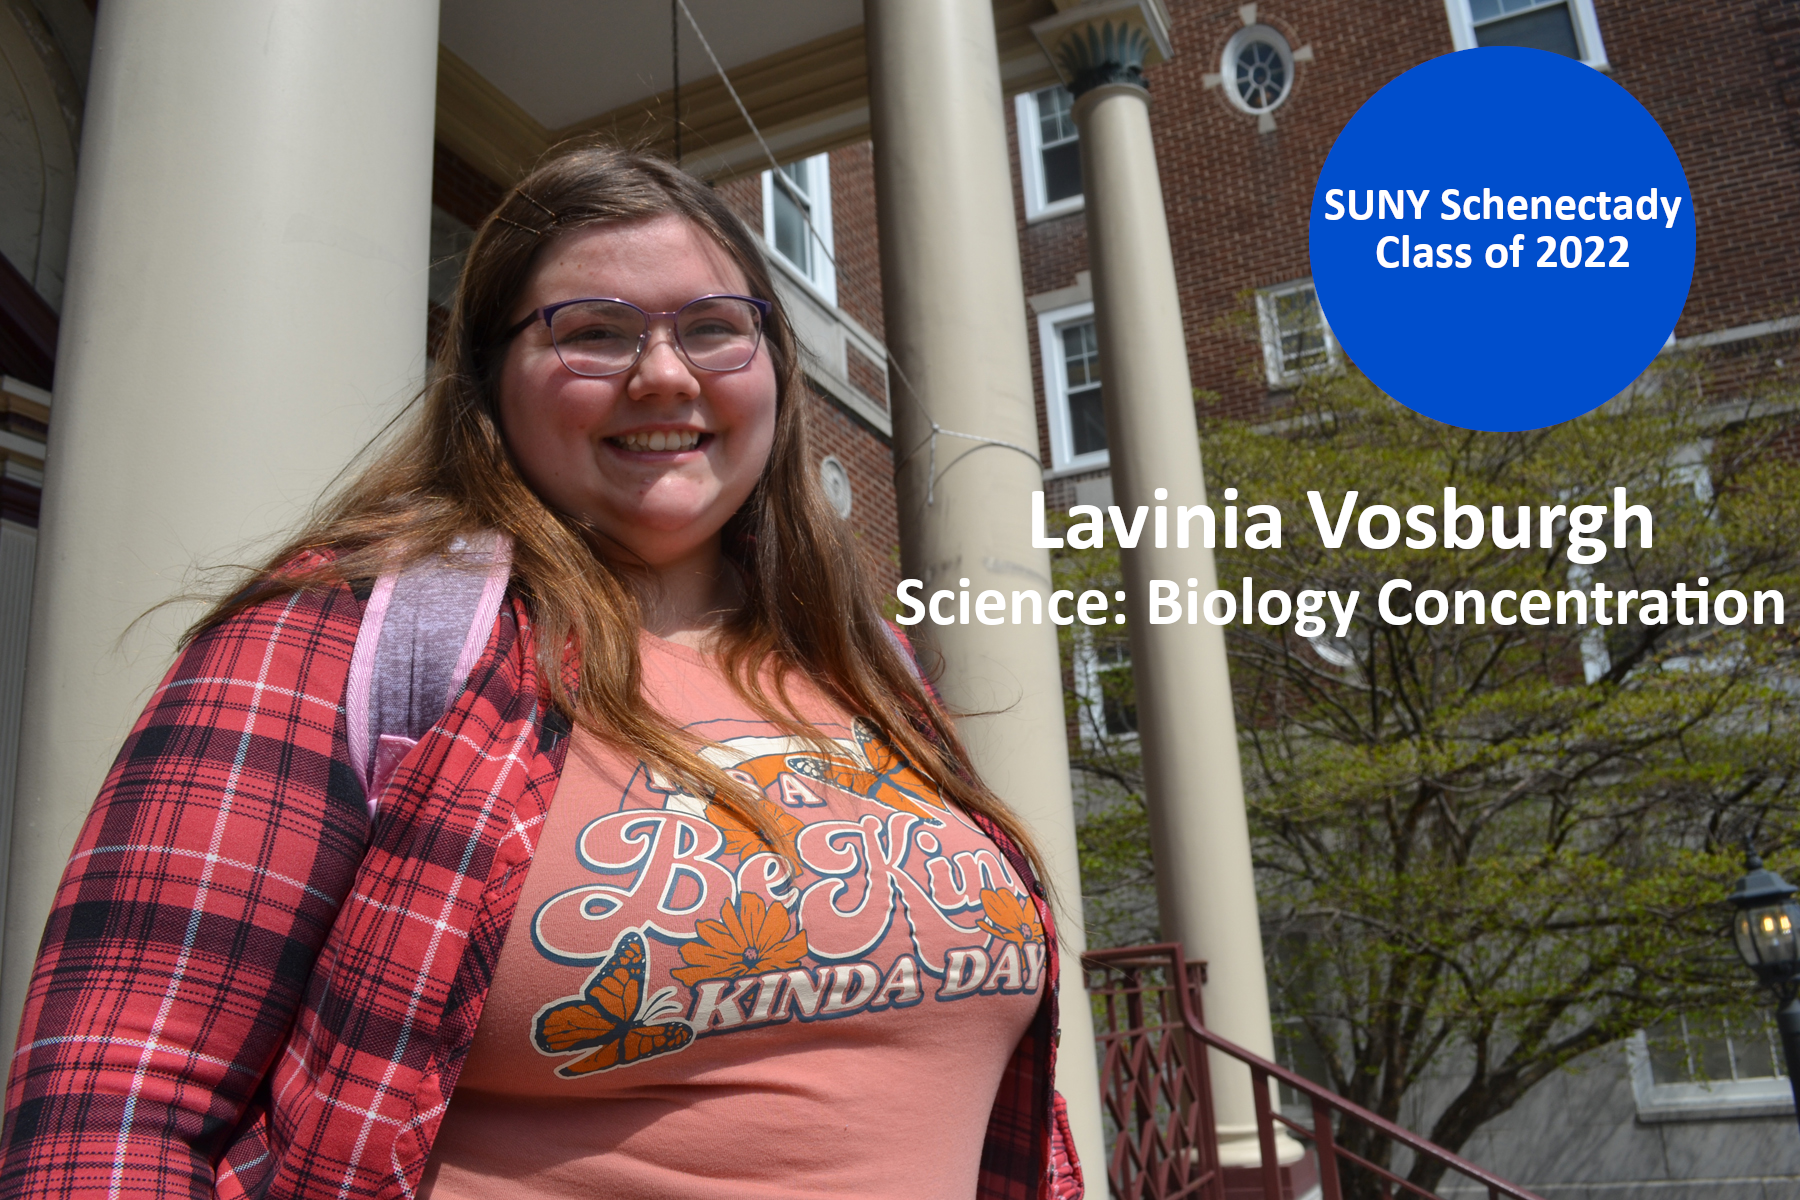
<point>581,442</point>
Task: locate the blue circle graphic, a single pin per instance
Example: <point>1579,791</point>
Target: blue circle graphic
<point>1502,239</point>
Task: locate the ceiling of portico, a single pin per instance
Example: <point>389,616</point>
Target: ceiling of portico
<point>515,78</point>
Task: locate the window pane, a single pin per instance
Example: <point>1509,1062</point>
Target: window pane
<point>1540,29</point>
<point>1669,1054</point>
<point>1081,356</point>
<point>1087,420</point>
<point>798,173</point>
<point>1300,328</point>
<point>1755,1057</point>
<point>1118,702</point>
<point>790,229</point>
<point>1056,122</point>
<point>1713,1057</point>
<point>1062,172</point>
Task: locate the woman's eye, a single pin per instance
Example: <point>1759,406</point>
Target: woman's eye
<point>593,334</point>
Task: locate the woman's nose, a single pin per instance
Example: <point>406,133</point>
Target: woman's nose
<point>662,368</point>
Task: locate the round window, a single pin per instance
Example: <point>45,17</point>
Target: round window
<point>1258,69</point>
<point>836,482</point>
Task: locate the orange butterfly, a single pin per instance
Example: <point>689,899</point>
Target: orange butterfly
<point>889,779</point>
<point>610,1017</point>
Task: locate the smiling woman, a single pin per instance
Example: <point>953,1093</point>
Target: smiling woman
<point>325,932</point>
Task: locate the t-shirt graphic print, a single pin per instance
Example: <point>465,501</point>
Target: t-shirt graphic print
<point>900,900</point>
<point>669,970</point>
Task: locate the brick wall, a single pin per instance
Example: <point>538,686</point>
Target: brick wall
<point>1238,200</point>
<point>460,189</point>
<point>870,463</point>
<point>743,196</point>
<point>853,235</point>
<point>1713,76</point>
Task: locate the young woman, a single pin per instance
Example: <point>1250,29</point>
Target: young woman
<point>325,932</point>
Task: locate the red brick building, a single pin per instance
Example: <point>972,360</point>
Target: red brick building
<point>1237,185</point>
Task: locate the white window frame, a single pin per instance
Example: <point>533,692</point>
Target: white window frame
<point>1063,459</point>
<point>1279,376</point>
<point>1091,693</point>
<point>823,273</point>
<point>1587,30</point>
<point>1031,164</point>
<point>1769,1096</point>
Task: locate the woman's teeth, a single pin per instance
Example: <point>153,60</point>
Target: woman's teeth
<point>659,440</point>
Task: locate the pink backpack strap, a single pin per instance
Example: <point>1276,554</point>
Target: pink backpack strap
<point>362,679</point>
<point>376,752</point>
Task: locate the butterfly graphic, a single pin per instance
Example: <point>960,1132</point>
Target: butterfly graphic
<point>610,1017</point>
<point>888,778</point>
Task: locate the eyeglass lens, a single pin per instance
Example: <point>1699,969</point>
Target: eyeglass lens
<point>605,337</point>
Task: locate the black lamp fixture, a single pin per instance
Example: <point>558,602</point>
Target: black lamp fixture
<point>1766,929</point>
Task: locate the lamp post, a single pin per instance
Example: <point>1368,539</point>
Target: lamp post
<point>1766,930</point>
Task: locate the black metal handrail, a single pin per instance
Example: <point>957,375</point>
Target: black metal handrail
<point>1148,1074</point>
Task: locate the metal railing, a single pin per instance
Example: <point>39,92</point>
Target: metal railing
<point>1156,1090</point>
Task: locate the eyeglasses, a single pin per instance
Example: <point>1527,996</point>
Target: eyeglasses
<point>600,337</point>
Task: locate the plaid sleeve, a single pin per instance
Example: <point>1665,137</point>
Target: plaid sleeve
<point>184,931</point>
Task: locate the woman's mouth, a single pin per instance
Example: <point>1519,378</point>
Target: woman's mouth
<point>658,440</point>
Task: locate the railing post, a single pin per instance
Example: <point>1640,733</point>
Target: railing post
<point>1325,1146</point>
<point>1265,1134</point>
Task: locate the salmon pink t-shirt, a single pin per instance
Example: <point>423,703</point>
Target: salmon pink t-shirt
<point>675,1014</point>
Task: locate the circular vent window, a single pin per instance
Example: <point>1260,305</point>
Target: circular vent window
<point>836,482</point>
<point>1258,69</point>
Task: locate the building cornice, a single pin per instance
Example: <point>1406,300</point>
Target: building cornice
<point>805,100</point>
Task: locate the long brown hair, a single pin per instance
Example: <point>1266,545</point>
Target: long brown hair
<point>809,603</point>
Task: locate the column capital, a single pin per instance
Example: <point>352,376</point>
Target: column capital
<point>1105,41</point>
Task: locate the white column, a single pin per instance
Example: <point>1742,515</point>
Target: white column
<point>1192,778</point>
<point>245,307</point>
<point>954,310</point>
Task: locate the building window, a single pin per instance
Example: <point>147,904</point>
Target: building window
<point>1049,153</point>
<point>1258,69</point>
<point>1296,339</point>
<point>1560,26</point>
<point>1072,394</point>
<point>834,477</point>
<point>1690,1070</point>
<point>797,220</point>
<point>1104,687</point>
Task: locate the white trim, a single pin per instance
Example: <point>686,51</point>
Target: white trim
<point>1738,333</point>
<point>1031,164</point>
<point>24,391</point>
<point>1056,392</point>
<point>1587,30</point>
<point>1271,37</point>
<point>823,273</point>
<point>1278,376</point>
<point>1718,1100</point>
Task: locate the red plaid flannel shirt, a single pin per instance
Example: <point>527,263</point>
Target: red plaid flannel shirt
<point>248,988</point>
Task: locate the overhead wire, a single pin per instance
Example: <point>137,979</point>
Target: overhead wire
<point>780,179</point>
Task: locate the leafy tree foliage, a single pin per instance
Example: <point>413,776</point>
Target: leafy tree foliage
<point>1486,850</point>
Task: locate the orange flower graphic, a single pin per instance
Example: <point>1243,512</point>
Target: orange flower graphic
<point>743,839</point>
<point>750,938</point>
<point>1009,918</point>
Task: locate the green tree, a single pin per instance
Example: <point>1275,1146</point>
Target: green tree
<point>1486,850</point>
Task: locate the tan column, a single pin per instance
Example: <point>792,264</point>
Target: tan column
<point>245,306</point>
<point>1192,779</point>
<point>955,322</point>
